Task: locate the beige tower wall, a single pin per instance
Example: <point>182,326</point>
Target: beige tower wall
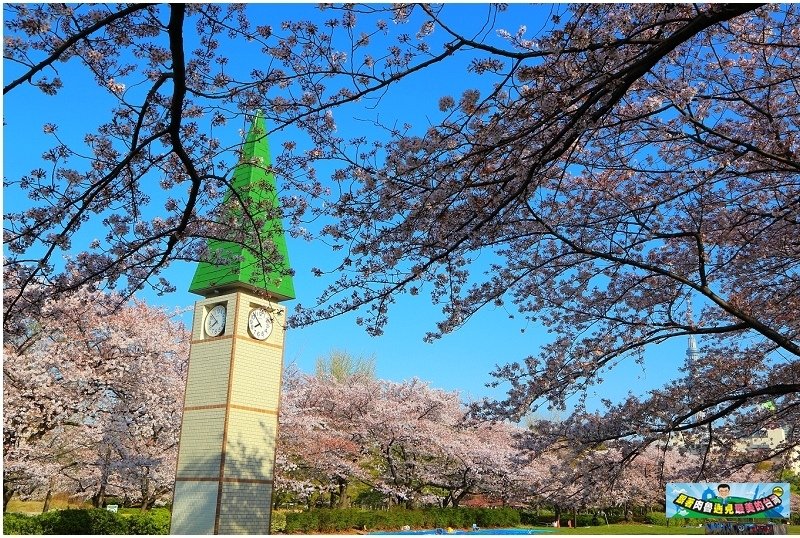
<point>226,455</point>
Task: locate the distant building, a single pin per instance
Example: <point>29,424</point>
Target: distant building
<point>768,438</point>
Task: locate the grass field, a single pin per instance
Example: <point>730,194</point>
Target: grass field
<point>58,502</point>
<point>640,529</point>
<point>630,529</point>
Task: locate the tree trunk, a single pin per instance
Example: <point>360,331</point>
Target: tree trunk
<point>145,489</point>
<point>344,499</point>
<point>99,499</point>
<point>456,499</point>
<point>8,493</point>
<point>47,497</point>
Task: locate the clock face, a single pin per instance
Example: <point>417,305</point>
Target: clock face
<point>260,324</point>
<point>215,321</point>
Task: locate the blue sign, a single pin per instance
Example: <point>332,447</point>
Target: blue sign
<point>728,500</point>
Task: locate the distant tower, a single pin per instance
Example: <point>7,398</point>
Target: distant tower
<point>692,353</point>
<point>226,455</point>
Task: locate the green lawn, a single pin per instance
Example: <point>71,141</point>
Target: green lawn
<point>633,528</point>
<point>628,528</point>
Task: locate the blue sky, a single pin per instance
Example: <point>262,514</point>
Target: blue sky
<point>460,361</point>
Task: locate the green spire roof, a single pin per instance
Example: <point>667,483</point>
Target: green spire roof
<point>238,267</point>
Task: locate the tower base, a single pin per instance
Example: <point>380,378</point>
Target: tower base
<point>226,456</point>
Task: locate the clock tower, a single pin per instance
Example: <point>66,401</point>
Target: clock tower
<point>226,455</point>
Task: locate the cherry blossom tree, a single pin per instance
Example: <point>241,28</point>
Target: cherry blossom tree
<point>469,457</point>
<point>626,476</point>
<point>408,441</point>
<point>319,446</point>
<point>92,397</point>
<point>616,167</point>
<point>144,423</point>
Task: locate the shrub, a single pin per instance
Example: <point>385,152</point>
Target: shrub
<point>155,521</point>
<point>326,520</point>
<point>88,521</point>
<point>21,524</point>
<point>542,518</point>
<point>587,520</point>
<point>65,522</point>
<point>656,518</point>
<point>278,522</point>
<point>105,522</point>
<point>441,517</point>
<point>95,521</point>
<point>497,517</point>
<point>302,522</point>
<point>398,517</point>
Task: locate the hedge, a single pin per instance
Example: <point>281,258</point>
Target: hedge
<point>656,518</point>
<point>21,524</point>
<point>156,521</point>
<point>92,521</point>
<point>278,522</point>
<point>326,520</point>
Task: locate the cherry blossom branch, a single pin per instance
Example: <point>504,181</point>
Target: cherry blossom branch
<point>85,202</point>
<point>750,320</point>
<point>78,36</point>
